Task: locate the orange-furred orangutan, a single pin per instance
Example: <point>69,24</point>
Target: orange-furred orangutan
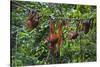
<point>53,37</point>
<point>32,20</point>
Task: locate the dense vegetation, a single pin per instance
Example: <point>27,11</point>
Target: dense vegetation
<point>28,47</point>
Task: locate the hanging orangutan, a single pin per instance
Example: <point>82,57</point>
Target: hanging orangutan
<point>73,34</point>
<point>86,26</point>
<point>32,20</point>
<point>53,37</point>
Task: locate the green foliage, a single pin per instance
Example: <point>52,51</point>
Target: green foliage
<point>28,46</point>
